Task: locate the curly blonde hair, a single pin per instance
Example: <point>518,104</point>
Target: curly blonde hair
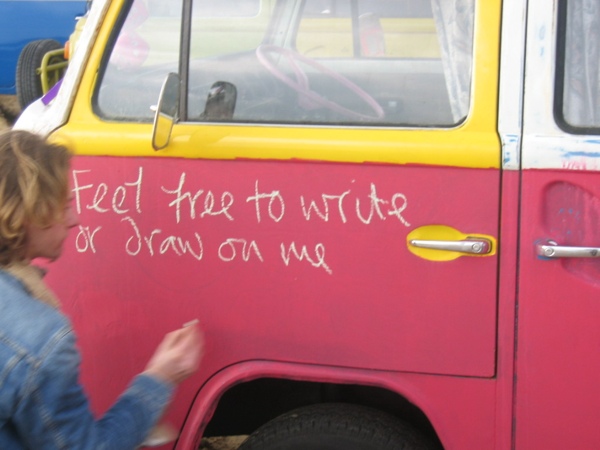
<point>34,187</point>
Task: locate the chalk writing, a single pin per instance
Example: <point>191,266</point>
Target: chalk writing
<point>172,243</point>
<point>228,252</point>
<point>397,210</point>
<point>275,200</point>
<point>377,207</point>
<point>324,213</point>
<point>209,201</point>
<point>374,202</point>
<point>118,199</point>
<point>87,237</point>
<point>317,261</point>
<point>191,202</point>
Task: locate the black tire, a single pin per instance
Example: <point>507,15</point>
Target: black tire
<point>28,82</point>
<point>336,426</point>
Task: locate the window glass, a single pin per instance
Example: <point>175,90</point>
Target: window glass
<point>229,8</point>
<point>366,62</point>
<point>144,52</point>
<point>388,29</point>
<point>581,83</point>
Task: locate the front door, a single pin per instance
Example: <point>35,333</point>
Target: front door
<point>330,196</point>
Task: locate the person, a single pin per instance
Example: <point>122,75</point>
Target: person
<point>42,404</point>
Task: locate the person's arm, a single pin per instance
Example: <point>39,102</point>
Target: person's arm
<point>53,412</point>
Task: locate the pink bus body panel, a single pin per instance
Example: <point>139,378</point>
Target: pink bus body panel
<point>557,368</point>
<point>163,241</point>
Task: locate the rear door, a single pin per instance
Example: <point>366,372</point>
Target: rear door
<point>558,398</point>
<point>330,196</point>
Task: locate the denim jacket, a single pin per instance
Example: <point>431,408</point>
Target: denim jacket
<point>42,404</point>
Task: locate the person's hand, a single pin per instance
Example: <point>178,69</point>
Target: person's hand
<point>178,355</point>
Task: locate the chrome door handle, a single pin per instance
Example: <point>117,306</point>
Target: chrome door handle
<point>552,250</point>
<point>474,246</point>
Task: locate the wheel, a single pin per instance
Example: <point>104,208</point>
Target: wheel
<point>29,84</point>
<point>309,98</point>
<point>336,426</point>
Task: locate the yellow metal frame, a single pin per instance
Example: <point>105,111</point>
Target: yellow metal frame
<point>473,144</point>
<point>51,72</point>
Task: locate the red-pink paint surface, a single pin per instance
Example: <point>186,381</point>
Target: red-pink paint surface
<point>281,261</point>
<point>559,312</point>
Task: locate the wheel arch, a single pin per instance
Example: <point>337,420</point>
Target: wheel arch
<point>233,388</point>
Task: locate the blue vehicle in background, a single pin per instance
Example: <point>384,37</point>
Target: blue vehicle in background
<point>29,30</point>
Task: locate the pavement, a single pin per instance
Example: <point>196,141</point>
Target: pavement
<point>222,443</point>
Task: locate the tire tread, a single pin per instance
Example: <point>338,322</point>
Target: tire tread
<point>364,425</point>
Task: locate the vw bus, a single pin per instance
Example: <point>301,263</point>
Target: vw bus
<point>384,214</point>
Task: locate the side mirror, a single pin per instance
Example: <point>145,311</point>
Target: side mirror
<point>166,114</point>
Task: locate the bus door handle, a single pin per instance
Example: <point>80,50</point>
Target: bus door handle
<point>476,246</point>
<point>552,250</point>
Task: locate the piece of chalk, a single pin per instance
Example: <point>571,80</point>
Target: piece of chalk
<point>191,323</point>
